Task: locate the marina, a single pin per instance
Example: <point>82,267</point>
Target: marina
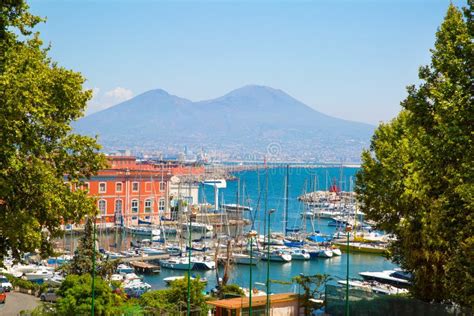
<point>213,236</point>
<point>305,248</point>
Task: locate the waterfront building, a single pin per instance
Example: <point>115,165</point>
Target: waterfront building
<point>131,192</point>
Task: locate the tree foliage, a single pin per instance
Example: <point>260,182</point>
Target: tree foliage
<point>82,261</point>
<point>85,254</point>
<point>230,290</point>
<point>76,297</point>
<point>312,286</point>
<point>173,300</point>
<point>417,179</point>
<point>38,153</point>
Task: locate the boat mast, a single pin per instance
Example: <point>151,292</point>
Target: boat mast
<point>265,206</point>
<point>287,184</point>
<point>236,235</point>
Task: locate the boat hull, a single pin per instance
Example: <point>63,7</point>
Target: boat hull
<point>362,248</point>
<point>246,260</point>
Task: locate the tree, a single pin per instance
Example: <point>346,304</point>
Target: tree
<point>417,179</point>
<point>82,262</point>
<point>76,297</point>
<point>38,152</point>
<point>173,300</point>
<point>230,290</point>
<point>311,285</point>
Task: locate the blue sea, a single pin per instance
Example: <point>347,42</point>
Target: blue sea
<point>252,187</point>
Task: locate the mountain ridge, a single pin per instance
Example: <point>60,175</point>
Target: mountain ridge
<point>249,118</point>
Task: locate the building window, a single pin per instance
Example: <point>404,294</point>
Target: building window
<point>85,187</point>
<point>134,218</point>
<point>134,206</point>
<point>147,186</point>
<point>148,205</point>
<point>118,206</point>
<point>135,186</point>
<point>102,187</point>
<point>162,204</point>
<point>162,186</point>
<point>118,186</point>
<point>103,207</point>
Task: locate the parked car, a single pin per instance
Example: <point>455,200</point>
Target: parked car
<point>49,296</point>
<point>3,296</point>
<point>5,284</point>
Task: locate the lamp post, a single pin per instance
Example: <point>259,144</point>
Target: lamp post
<point>268,260</point>
<point>348,230</point>
<point>93,269</point>
<point>251,235</point>
<point>189,263</point>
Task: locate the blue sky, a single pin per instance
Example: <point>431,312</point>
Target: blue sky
<point>350,59</point>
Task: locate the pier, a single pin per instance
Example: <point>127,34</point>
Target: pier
<point>145,267</point>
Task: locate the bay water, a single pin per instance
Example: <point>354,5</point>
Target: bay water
<point>250,190</point>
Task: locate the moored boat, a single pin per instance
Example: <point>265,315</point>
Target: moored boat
<point>300,254</point>
<point>177,264</point>
<point>277,256</point>
<point>392,277</point>
<point>375,287</point>
<point>325,253</point>
<point>124,269</point>
<point>375,248</point>
<point>39,275</point>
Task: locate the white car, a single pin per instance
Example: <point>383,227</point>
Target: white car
<point>5,284</point>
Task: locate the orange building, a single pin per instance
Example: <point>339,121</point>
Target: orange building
<point>132,192</point>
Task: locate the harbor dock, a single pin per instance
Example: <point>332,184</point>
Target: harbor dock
<point>145,267</point>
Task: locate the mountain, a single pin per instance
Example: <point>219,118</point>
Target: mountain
<point>245,121</point>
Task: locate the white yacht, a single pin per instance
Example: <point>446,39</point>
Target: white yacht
<point>375,287</point>
<point>277,256</point>
<point>392,277</point>
<point>39,275</point>
<point>336,252</point>
<point>299,254</point>
<point>326,253</point>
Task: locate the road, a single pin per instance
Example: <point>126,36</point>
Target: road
<point>17,302</point>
